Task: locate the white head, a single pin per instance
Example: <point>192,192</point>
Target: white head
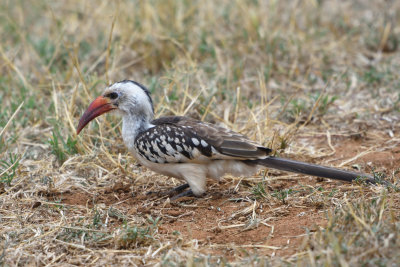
<point>130,98</point>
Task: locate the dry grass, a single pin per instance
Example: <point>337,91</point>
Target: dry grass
<point>315,80</point>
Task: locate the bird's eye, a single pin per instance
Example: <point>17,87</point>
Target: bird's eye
<point>112,95</point>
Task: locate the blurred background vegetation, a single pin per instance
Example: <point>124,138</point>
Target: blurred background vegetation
<point>285,50</point>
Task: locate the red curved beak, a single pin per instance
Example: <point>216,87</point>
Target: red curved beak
<point>99,106</point>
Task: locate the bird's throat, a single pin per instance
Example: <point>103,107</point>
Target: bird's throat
<point>132,126</point>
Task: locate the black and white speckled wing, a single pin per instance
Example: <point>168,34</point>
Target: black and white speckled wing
<point>180,139</point>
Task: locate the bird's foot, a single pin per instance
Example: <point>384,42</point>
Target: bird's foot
<point>170,192</point>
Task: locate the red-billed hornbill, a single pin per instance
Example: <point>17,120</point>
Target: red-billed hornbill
<point>190,149</point>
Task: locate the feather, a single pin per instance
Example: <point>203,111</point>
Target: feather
<point>227,144</point>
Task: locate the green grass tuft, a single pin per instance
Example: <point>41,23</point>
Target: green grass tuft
<point>9,167</point>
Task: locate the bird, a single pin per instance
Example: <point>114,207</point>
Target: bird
<point>189,149</point>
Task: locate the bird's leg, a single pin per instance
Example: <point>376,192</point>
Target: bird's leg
<point>177,189</point>
<point>170,192</point>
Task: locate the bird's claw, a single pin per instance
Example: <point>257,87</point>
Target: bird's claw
<point>170,192</point>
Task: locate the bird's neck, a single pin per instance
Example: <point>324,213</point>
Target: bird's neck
<point>132,126</point>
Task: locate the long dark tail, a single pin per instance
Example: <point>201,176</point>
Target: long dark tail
<point>312,169</point>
